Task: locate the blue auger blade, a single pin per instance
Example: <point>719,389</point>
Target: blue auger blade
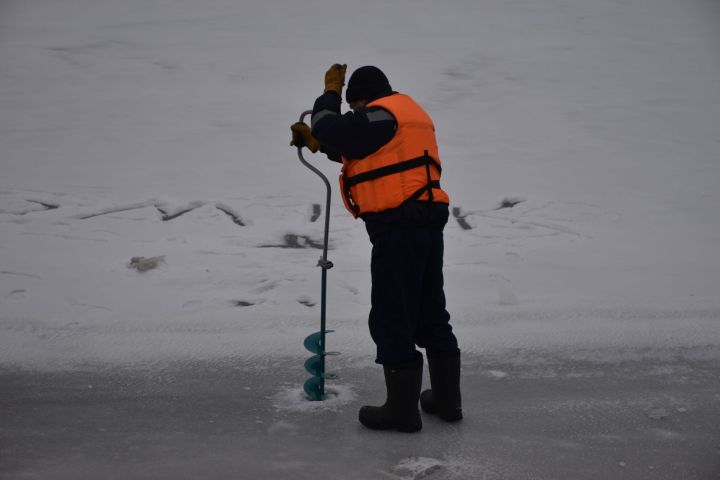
<point>314,388</point>
<point>312,342</point>
<point>314,365</point>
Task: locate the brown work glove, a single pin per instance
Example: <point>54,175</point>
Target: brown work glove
<point>335,79</point>
<point>302,137</point>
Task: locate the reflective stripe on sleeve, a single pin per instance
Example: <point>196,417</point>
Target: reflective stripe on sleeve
<point>379,115</point>
<point>319,115</point>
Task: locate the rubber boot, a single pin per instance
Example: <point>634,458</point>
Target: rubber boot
<point>443,399</point>
<point>400,411</point>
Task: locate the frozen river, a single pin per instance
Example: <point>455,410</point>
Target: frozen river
<point>541,417</point>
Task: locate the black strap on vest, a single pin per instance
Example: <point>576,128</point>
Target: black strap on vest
<point>425,160</point>
<point>429,184</point>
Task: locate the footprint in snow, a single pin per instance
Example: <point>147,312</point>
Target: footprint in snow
<point>415,468</point>
<point>306,301</point>
<point>243,303</point>
<point>513,257</point>
<point>506,296</point>
<point>292,240</point>
<point>19,294</point>
<point>460,217</point>
<point>266,286</point>
<point>510,202</point>
<point>316,211</point>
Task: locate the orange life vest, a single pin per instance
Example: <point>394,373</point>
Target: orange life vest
<point>405,168</point>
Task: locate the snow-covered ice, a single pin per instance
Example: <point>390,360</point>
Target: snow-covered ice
<point>581,145</point>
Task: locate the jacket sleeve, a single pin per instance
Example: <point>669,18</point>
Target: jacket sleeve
<point>354,135</point>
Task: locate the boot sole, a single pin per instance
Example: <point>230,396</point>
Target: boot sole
<point>409,428</point>
<point>427,404</point>
<point>403,429</point>
<point>453,417</point>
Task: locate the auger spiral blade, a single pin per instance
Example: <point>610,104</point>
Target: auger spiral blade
<point>315,388</point>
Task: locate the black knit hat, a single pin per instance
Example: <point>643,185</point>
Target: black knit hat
<point>367,83</point>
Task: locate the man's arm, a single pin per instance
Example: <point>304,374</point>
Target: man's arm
<point>353,135</point>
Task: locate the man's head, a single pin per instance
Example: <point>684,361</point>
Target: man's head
<point>366,84</point>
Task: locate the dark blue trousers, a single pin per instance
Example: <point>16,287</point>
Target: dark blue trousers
<point>408,300</point>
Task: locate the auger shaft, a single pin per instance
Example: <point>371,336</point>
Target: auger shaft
<point>315,387</point>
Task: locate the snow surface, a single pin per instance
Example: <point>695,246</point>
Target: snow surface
<point>581,146</point>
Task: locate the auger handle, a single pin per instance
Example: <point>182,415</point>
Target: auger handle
<point>323,261</point>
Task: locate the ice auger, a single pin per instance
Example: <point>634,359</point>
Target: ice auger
<point>315,342</point>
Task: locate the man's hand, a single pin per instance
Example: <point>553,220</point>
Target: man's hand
<point>302,137</point>
<point>335,79</point>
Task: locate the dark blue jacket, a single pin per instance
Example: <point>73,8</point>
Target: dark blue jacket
<point>355,135</point>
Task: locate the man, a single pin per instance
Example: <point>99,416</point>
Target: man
<point>391,179</point>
